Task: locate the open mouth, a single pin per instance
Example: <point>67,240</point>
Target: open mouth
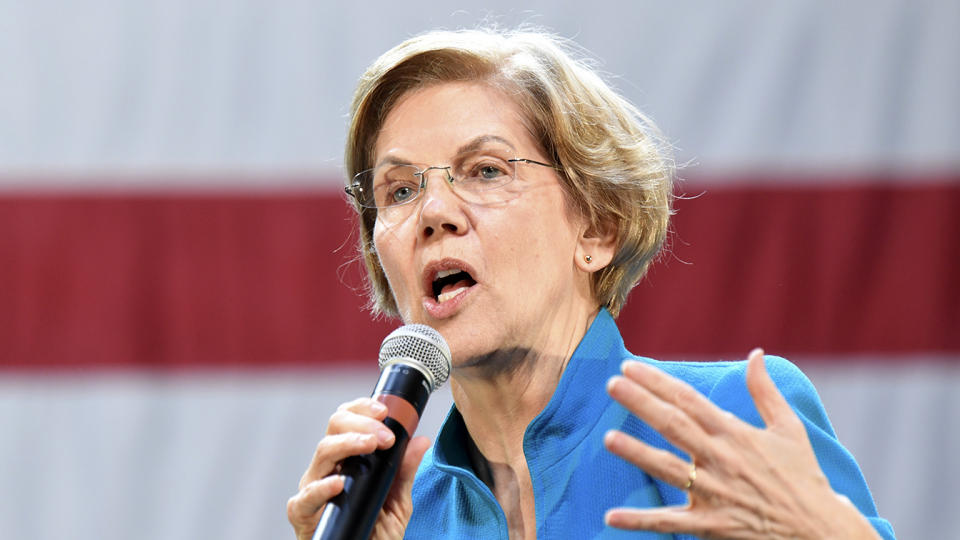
<point>447,284</point>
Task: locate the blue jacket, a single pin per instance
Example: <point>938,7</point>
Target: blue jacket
<point>576,480</point>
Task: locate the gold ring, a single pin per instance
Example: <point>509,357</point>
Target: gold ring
<point>691,478</point>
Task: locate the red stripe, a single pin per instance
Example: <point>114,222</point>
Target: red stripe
<point>862,268</point>
<point>259,280</point>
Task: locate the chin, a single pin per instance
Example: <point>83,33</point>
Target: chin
<point>464,343</point>
<point>461,346</point>
<point>468,333</point>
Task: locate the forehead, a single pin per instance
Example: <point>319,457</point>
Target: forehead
<point>433,123</point>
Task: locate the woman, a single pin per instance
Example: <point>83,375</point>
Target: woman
<point>510,199</point>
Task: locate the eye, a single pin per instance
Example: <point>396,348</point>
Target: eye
<point>395,185</point>
<point>490,172</point>
<point>401,194</point>
<point>485,170</point>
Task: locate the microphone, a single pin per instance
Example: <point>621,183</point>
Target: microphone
<point>414,361</point>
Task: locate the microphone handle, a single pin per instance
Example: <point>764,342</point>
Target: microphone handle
<point>352,514</point>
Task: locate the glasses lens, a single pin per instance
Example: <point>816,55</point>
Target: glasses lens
<point>479,178</point>
<point>394,185</point>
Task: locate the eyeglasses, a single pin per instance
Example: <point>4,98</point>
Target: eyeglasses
<point>477,178</point>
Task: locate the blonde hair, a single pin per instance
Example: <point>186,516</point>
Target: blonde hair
<point>615,168</point>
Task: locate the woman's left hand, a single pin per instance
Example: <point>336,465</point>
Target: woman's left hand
<point>745,482</point>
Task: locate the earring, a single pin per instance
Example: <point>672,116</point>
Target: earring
<point>588,259</point>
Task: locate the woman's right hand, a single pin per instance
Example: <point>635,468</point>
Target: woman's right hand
<point>356,428</point>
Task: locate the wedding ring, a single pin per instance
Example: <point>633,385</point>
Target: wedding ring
<point>691,478</point>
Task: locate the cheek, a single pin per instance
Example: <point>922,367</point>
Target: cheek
<point>547,235</point>
<point>535,253</point>
<point>394,259</point>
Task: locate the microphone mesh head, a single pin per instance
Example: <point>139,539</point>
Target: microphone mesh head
<point>423,345</point>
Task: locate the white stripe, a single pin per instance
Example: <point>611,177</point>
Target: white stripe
<point>118,87</point>
<point>215,455</point>
<point>902,422</point>
<point>158,457</point>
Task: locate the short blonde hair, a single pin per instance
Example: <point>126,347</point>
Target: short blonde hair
<point>615,168</point>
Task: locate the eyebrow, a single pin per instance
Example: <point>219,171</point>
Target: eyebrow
<point>478,143</point>
<point>475,144</point>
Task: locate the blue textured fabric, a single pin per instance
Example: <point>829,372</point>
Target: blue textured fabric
<point>576,480</point>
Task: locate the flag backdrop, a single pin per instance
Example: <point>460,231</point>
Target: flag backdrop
<point>179,300</point>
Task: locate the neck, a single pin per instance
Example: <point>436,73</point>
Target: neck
<point>500,393</point>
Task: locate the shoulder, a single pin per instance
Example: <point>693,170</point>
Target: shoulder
<point>725,383</point>
<point>713,374</point>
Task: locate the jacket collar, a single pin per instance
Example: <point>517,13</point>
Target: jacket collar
<point>572,412</point>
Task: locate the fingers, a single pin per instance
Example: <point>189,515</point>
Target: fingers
<point>335,448</point>
<point>747,479</point>
<point>362,415</point>
<point>354,429</point>
<point>770,403</point>
<point>672,422</point>
<point>678,393</point>
<point>669,519</point>
<point>660,463</point>
<point>366,406</point>
<point>304,507</point>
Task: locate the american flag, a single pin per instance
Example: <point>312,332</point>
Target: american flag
<point>180,305</point>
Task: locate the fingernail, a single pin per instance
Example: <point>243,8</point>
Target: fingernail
<point>378,407</point>
<point>384,435</point>
<point>610,437</point>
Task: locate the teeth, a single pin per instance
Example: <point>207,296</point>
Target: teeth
<point>443,297</point>
<point>444,273</point>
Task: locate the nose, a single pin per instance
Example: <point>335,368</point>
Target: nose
<point>440,207</point>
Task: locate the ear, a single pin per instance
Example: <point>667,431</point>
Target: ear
<point>596,246</point>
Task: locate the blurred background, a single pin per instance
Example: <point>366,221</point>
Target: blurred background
<point>180,310</point>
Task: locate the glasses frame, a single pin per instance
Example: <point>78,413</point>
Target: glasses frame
<point>356,190</point>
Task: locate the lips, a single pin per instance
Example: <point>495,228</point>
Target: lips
<point>446,283</point>
<point>449,283</point>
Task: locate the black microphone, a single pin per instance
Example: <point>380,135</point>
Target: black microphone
<point>414,361</point>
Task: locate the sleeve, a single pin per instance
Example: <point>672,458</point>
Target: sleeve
<point>837,462</point>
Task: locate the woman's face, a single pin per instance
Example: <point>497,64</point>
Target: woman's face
<point>489,277</point>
